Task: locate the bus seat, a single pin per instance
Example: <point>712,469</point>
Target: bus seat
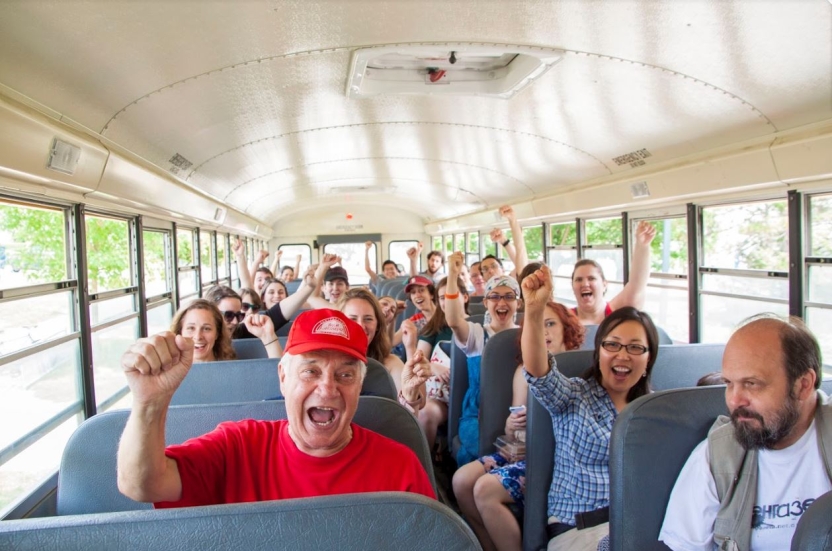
<point>476,308</point>
<point>499,362</point>
<point>409,309</point>
<point>826,381</point>
<point>284,330</point>
<point>386,287</point>
<point>814,529</point>
<point>681,365</point>
<point>249,349</point>
<point>293,285</point>
<point>349,521</point>
<point>589,337</point>
<point>87,476</point>
<point>540,453</point>
<point>459,385</point>
<point>255,380</point>
<point>475,300</point>
<point>651,441</point>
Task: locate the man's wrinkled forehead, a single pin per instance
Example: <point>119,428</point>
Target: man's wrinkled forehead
<point>325,356</point>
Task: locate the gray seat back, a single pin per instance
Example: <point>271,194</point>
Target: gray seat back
<point>330,522</point>
<point>293,285</point>
<point>651,440</point>
<point>227,382</point>
<point>249,349</point>
<point>255,380</point>
<point>681,365</point>
<point>475,300</point>
<point>499,362</point>
<point>814,529</point>
<point>589,337</point>
<point>459,385</point>
<point>87,479</point>
<point>540,454</point>
<point>476,308</point>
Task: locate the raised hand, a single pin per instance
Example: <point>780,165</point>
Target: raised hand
<point>156,366</point>
<point>415,374</point>
<point>507,212</point>
<point>308,276</point>
<point>455,263</point>
<point>537,289</point>
<point>412,252</point>
<point>238,248</point>
<point>368,244</point>
<point>645,232</point>
<point>261,326</point>
<point>279,254</point>
<point>262,255</point>
<point>410,335</point>
<point>497,236</point>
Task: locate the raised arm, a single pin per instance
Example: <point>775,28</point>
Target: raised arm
<point>520,256</point>
<point>259,258</point>
<point>262,327</point>
<point>298,258</point>
<point>315,300</point>
<point>370,272</point>
<point>413,256</point>
<point>275,268</point>
<point>311,284</point>
<point>154,368</point>
<point>454,308</point>
<point>242,268</point>
<point>414,376</point>
<point>635,291</point>
<point>537,288</point>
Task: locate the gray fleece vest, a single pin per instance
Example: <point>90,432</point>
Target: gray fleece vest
<point>735,473</point>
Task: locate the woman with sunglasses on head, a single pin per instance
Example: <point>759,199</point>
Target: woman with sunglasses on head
<point>583,410</point>
<point>244,324</point>
<point>502,295</point>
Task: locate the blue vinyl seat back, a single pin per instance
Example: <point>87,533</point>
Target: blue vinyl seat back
<point>249,349</point>
<point>255,380</point>
<point>814,529</point>
<point>540,453</point>
<point>387,286</point>
<point>681,365</point>
<point>499,362</point>
<point>589,337</point>
<point>87,476</point>
<point>227,382</point>
<point>651,440</point>
<point>459,385</point>
<point>293,285</point>
<point>476,308</point>
<point>349,521</point>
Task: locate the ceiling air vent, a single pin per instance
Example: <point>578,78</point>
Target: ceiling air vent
<point>457,69</point>
<point>63,156</point>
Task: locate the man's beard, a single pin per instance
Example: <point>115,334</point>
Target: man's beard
<point>765,436</point>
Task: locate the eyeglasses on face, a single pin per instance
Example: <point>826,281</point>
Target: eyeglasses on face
<point>634,349</point>
<point>510,297</point>
<point>247,306</point>
<point>231,316</point>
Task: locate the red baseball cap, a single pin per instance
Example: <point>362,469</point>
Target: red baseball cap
<point>326,329</point>
<point>417,280</point>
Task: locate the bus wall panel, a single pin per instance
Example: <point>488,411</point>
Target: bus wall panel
<point>804,160</point>
<point>26,140</point>
<point>349,218</point>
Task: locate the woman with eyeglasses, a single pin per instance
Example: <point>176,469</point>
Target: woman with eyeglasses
<point>583,410</point>
<point>244,324</point>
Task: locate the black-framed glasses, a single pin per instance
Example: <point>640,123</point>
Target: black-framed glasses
<point>231,316</point>
<point>634,349</point>
<point>249,306</point>
<point>510,297</point>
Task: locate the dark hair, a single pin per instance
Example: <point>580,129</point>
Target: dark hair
<point>266,287</point>
<point>222,346</point>
<point>378,347</point>
<point>573,330</point>
<point>500,262</point>
<point>711,379</point>
<point>218,292</point>
<point>264,270</point>
<point>386,262</point>
<point>801,352</point>
<point>437,322</point>
<point>626,313</point>
<point>287,267</point>
<point>589,262</point>
<point>477,269</point>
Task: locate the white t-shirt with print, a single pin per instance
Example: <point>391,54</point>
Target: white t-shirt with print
<point>788,481</point>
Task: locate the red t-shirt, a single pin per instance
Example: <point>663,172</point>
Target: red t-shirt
<point>258,461</point>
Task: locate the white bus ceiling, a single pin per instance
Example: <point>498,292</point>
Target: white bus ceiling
<point>249,99</point>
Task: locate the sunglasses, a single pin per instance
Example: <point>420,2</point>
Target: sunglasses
<point>247,306</point>
<point>231,316</point>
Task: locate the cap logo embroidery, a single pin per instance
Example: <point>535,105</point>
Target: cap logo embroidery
<point>331,326</point>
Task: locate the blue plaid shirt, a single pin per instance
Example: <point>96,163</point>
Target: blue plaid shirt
<point>582,418</point>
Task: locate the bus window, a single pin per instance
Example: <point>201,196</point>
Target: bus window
<point>472,250</point>
<point>222,259</point>
<point>290,255</point>
<point>352,260</point>
<point>187,265</point>
<point>206,259</point>
<point>561,256</point>
<point>604,241</point>
<point>398,254</point>
<point>533,238</point>
<point>459,242</point>
<point>667,289</point>
<point>819,271</point>
<point>744,265</point>
<point>436,243</point>
<point>158,280</point>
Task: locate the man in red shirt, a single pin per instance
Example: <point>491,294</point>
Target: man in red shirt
<point>316,451</point>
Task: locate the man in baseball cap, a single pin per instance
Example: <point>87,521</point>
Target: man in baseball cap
<point>317,450</point>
